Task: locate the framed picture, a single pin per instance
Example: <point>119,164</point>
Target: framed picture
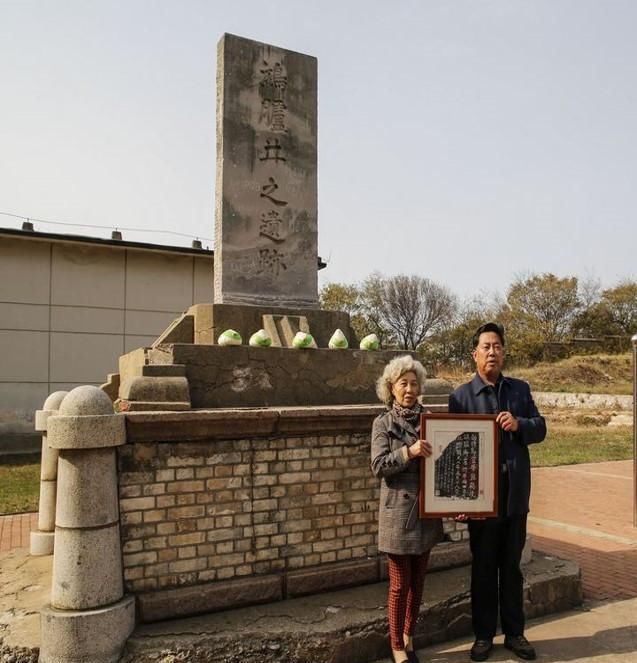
<point>461,476</point>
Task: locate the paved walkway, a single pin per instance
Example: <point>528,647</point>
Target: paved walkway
<point>599,633</point>
<point>15,529</point>
<point>585,513</point>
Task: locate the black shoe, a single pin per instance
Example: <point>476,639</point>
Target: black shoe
<point>481,649</point>
<point>520,646</point>
<point>411,655</point>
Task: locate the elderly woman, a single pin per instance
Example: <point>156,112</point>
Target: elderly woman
<point>396,451</point>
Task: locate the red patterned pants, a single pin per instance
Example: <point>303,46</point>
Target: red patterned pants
<point>406,579</point>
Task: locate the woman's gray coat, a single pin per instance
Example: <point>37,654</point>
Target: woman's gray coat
<point>400,530</point>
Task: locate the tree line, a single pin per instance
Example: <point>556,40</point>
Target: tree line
<point>416,313</point>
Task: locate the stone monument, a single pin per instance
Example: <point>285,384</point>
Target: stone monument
<point>265,264</point>
<point>261,494</point>
<point>266,212</point>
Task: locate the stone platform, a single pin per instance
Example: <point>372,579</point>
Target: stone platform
<point>347,626</point>
<point>336,627</point>
<point>186,369</point>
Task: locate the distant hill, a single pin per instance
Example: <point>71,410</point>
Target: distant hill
<point>593,374</point>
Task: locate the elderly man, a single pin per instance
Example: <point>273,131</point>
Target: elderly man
<point>497,543</point>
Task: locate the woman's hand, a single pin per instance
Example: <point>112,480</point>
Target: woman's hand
<point>420,448</point>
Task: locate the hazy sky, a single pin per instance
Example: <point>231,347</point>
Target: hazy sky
<point>466,141</point>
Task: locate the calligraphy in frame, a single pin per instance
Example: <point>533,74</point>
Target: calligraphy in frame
<point>461,475</point>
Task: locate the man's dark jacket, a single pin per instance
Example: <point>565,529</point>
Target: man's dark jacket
<point>514,396</point>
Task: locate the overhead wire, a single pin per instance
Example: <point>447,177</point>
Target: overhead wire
<point>89,225</point>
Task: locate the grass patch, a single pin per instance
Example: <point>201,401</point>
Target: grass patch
<point>19,483</point>
<point>591,374</point>
<point>569,445</point>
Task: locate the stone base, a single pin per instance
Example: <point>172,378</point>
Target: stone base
<point>211,597</point>
<point>184,368</point>
<point>243,376</point>
<point>42,543</point>
<point>87,636</point>
<point>346,626</point>
<point>231,594</point>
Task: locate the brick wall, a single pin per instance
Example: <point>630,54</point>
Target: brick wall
<point>216,509</point>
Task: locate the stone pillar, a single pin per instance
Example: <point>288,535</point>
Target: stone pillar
<point>42,539</point>
<point>89,618</point>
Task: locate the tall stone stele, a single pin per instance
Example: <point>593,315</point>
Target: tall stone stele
<point>266,196</point>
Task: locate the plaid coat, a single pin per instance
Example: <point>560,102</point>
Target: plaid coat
<point>400,530</point>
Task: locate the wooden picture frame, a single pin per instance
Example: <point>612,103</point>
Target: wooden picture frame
<point>461,476</point>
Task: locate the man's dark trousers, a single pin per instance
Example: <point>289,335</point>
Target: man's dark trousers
<point>496,547</point>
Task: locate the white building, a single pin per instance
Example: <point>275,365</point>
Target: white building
<point>71,305</point>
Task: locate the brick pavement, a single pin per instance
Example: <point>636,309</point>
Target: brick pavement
<point>584,513</point>
<point>15,530</point>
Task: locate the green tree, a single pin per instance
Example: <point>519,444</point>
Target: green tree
<point>453,344</point>
<point>340,297</point>
<point>347,298</point>
<point>614,314</point>
<point>539,309</point>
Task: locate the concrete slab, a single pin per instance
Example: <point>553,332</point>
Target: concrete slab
<point>599,632</point>
<point>25,588</point>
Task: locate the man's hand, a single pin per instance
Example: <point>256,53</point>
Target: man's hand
<point>420,448</point>
<point>507,422</point>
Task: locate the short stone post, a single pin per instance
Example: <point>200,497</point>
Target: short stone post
<point>43,538</point>
<point>89,618</point>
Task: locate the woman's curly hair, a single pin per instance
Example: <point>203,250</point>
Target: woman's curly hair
<point>394,369</point>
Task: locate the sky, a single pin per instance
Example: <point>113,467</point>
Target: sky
<point>466,141</point>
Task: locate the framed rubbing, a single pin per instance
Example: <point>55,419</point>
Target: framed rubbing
<point>461,476</point>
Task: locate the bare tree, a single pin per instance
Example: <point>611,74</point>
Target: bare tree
<point>410,307</point>
<point>589,289</point>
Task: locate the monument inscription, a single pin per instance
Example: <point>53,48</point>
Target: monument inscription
<point>266,209</point>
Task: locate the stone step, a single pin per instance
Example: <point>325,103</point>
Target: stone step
<point>346,626</point>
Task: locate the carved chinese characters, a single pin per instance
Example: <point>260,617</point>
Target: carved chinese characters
<point>458,468</point>
<point>266,217</point>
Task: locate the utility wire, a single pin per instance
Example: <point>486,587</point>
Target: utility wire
<point>88,225</point>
